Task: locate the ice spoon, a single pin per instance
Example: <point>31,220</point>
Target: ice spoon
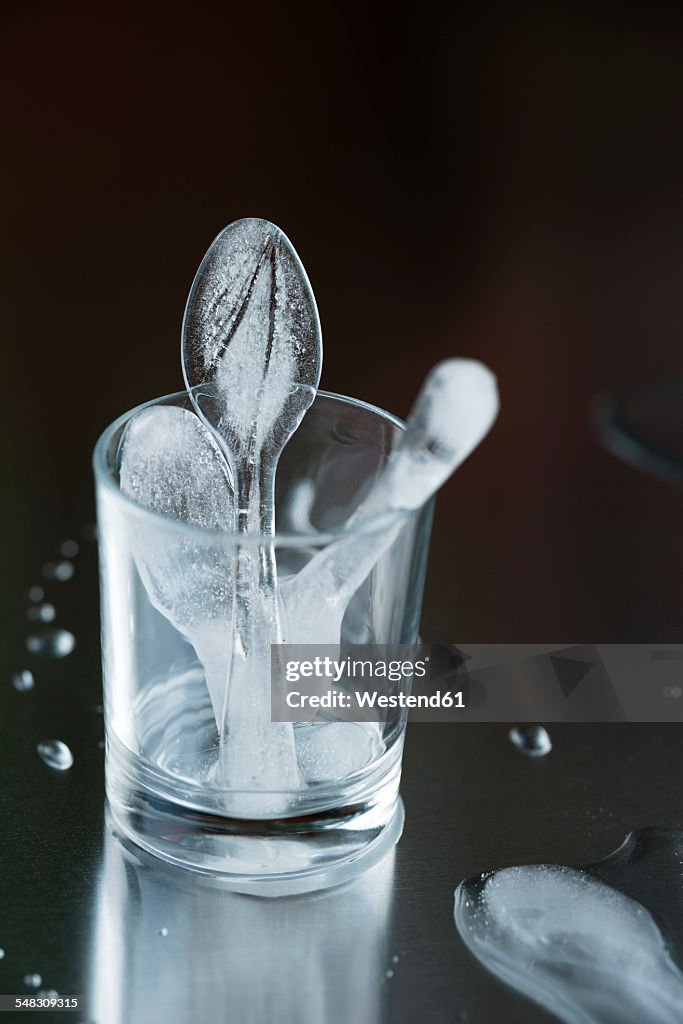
<point>585,951</point>
<point>252,354</point>
<point>453,412</point>
<point>169,463</point>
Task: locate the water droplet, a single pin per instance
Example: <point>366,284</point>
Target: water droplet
<point>51,643</point>
<point>23,681</point>
<point>673,691</point>
<point>98,709</point>
<point>58,571</point>
<point>389,974</point>
<point>70,548</point>
<point>395,958</point>
<point>89,532</point>
<point>48,993</point>
<point>2,954</point>
<point>41,613</point>
<point>163,932</point>
<point>33,980</point>
<point>36,594</point>
<point>532,740</point>
<point>55,754</point>
<point>101,744</point>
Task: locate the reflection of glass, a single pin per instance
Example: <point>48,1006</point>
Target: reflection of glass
<point>645,428</point>
<point>315,959</point>
<point>164,606</point>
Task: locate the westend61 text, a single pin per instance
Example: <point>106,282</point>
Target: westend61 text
<point>372,699</point>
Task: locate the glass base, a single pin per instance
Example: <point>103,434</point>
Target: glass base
<point>324,845</point>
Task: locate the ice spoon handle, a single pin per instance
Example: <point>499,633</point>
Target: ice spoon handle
<point>256,626</point>
<point>454,410</point>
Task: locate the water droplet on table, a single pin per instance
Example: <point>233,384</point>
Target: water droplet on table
<point>532,740</point>
<point>61,571</point>
<point>23,681</point>
<point>33,980</point>
<point>36,594</point>
<point>41,613</point>
<point>55,754</point>
<point>51,643</point>
<point>69,548</point>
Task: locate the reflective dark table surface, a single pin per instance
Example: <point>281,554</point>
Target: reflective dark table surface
<point>146,944</point>
<point>457,181</point>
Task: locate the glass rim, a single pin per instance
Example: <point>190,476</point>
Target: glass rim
<point>373,524</point>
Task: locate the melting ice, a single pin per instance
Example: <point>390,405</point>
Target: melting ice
<point>580,948</point>
<point>170,463</point>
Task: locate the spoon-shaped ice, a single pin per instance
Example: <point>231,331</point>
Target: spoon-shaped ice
<point>169,462</point>
<point>580,948</point>
<point>453,412</point>
<point>252,354</point>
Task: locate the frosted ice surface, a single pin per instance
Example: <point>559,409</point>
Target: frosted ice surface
<point>171,464</point>
<point>580,948</point>
<point>452,414</point>
<point>251,332</point>
<point>257,754</point>
<point>329,751</point>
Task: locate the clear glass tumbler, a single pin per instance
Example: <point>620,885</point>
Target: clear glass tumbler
<point>163,666</point>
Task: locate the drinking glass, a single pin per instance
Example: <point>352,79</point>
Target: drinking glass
<point>158,578</point>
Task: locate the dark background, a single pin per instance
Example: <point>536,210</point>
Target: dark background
<point>493,182</point>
